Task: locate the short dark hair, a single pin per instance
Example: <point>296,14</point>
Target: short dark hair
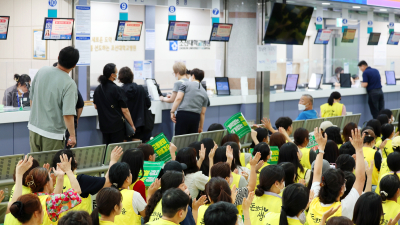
<point>69,153</point>
<point>68,57</point>
<point>76,217</point>
<point>147,150</point>
<point>338,69</point>
<point>345,162</point>
<point>284,122</point>
<point>198,74</point>
<point>174,200</point>
<point>383,118</point>
<point>347,148</point>
<point>188,156</point>
<point>215,126</point>
<point>221,213</point>
<point>125,75</point>
<point>362,63</point>
<point>388,113</point>
<point>263,149</point>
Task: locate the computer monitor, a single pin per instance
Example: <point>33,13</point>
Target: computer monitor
<point>394,38</point>
<point>345,81</point>
<point>315,81</point>
<point>374,38</point>
<point>58,28</point>
<point>129,30</point>
<point>221,32</point>
<point>4,22</point>
<point>291,82</point>
<point>349,35</point>
<point>222,86</point>
<point>323,37</point>
<point>178,30</point>
<point>390,78</point>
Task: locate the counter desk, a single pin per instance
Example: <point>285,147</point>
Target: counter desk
<point>14,134</point>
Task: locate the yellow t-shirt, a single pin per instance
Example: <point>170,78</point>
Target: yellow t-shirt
<point>161,222</point>
<point>316,211</point>
<point>387,149</point>
<point>378,141</point>
<point>269,202</point>
<point>273,219</point>
<point>157,212</point>
<point>305,159</point>
<point>369,154</point>
<point>10,219</point>
<point>331,110</point>
<point>102,222</point>
<point>128,215</point>
<point>377,190</point>
<point>384,169</point>
<point>390,210</point>
<point>258,174</point>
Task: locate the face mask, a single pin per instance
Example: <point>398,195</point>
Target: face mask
<point>230,180</point>
<point>301,107</point>
<point>20,91</point>
<point>281,190</point>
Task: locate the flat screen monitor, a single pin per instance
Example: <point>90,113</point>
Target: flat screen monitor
<point>394,38</point>
<point>323,37</point>
<point>4,22</point>
<point>345,81</point>
<point>291,82</point>
<point>315,81</point>
<point>288,24</point>
<point>374,38</point>
<point>221,32</point>
<point>129,30</point>
<point>178,30</point>
<point>222,86</point>
<point>349,35</point>
<point>58,28</point>
<point>390,78</point>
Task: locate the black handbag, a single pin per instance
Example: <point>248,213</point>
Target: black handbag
<point>149,118</point>
<point>129,131</point>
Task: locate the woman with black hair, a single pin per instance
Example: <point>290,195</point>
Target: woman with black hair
<point>265,152</point>
<point>244,157</point>
<point>376,127</point>
<point>387,135</point>
<point>368,210</point>
<point>18,94</point>
<point>272,182</point>
<point>191,105</point>
<point>371,155</point>
<point>294,202</point>
<point>333,107</point>
<point>138,103</point>
<point>393,166</point>
<point>135,159</point>
<point>383,119</point>
<point>384,166</point>
<point>108,206</point>
<point>242,170</point>
<point>333,134</point>
<point>347,131</point>
<point>259,135</point>
<point>329,186</point>
<point>301,139</point>
<point>389,192</point>
<point>111,104</point>
<point>345,162</point>
<point>331,151</point>
<point>195,180</point>
<point>290,153</point>
<point>290,173</point>
<point>208,144</point>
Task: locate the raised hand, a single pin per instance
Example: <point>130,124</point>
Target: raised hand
<point>247,201</point>
<point>383,144</point>
<point>319,138</point>
<point>65,164</point>
<point>356,139</point>
<point>154,187</point>
<point>202,152</point>
<point>116,153</point>
<point>229,153</point>
<point>267,123</point>
<point>24,165</point>
<point>369,169</point>
<point>233,194</point>
<point>393,221</point>
<point>330,212</point>
<point>1,195</point>
<point>201,201</point>
<point>47,167</point>
<point>212,152</point>
<point>58,172</point>
<point>172,149</point>
<point>255,159</point>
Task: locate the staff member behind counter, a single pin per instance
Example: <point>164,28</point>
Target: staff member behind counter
<point>191,105</point>
<point>19,93</point>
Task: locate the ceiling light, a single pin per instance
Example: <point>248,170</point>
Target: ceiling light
<point>326,3</point>
<point>383,10</point>
<point>356,7</point>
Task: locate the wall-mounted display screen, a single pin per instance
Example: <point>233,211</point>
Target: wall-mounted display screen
<point>288,24</point>
<point>390,78</point>
<point>222,84</point>
<point>291,82</point>
<point>349,35</point>
<point>385,3</point>
<point>315,81</point>
<point>221,32</point>
<point>57,28</point>
<point>129,30</point>
<point>345,81</point>
<point>374,38</point>
<point>363,2</point>
<point>178,30</point>
<point>323,37</point>
<point>4,22</point>
<point>394,38</point>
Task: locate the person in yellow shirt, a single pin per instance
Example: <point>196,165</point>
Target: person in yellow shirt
<point>290,153</point>
<point>27,210</point>
<point>272,182</point>
<point>384,166</point>
<point>333,107</point>
<point>389,192</point>
<point>301,139</point>
<point>133,203</point>
<point>329,186</point>
<point>372,155</point>
<point>387,135</point>
<point>393,165</point>
<point>109,205</point>
<point>264,150</point>
<point>294,201</point>
<point>174,207</point>
<point>76,217</point>
<point>368,209</point>
<point>376,127</point>
<point>221,213</point>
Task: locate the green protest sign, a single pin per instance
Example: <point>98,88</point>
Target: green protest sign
<point>237,124</point>
<point>151,171</point>
<point>273,160</point>
<point>312,143</point>
<point>161,147</point>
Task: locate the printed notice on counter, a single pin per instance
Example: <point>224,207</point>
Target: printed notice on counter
<point>266,58</point>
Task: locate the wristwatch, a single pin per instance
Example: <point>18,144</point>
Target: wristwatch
<point>320,151</point>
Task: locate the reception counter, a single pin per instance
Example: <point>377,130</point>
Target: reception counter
<point>14,134</point>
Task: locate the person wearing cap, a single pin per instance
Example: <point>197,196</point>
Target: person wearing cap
<point>325,125</point>
<point>172,166</point>
<point>372,155</point>
<point>333,107</point>
<point>384,166</point>
<point>306,106</point>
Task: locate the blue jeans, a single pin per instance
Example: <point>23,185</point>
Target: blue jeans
<point>376,101</point>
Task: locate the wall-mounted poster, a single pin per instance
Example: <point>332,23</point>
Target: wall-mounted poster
<point>39,45</point>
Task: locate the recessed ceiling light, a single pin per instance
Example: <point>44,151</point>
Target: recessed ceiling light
<point>356,7</point>
<point>383,10</point>
<point>326,3</point>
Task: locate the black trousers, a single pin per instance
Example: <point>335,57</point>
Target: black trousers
<point>116,137</point>
<point>376,101</point>
<point>187,122</point>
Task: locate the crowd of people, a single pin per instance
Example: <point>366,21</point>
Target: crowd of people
<point>347,177</point>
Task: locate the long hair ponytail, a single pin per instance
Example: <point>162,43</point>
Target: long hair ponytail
<point>389,186</point>
<point>108,69</point>
<point>106,200</point>
<point>268,176</point>
<point>294,200</point>
<point>334,95</point>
